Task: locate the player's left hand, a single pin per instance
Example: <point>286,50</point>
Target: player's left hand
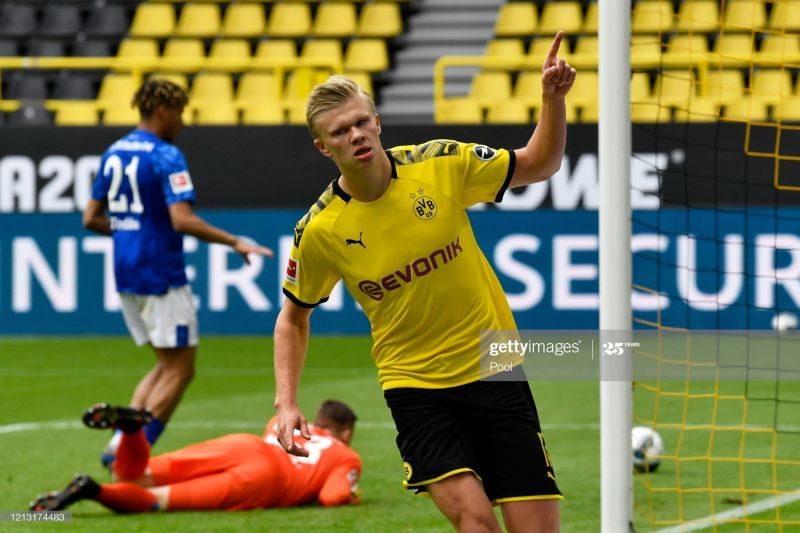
<point>557,75</point>
<point>244,249</point>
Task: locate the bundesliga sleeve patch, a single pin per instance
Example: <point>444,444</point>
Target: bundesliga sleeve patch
<point>291,271</point>
<point>180,182</point>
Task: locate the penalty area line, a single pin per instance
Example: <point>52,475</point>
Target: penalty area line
<point>733,514</point>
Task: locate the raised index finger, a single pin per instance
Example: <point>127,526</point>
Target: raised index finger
<point>555,46</point>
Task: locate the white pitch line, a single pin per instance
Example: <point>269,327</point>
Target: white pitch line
<point>244,425</point>
<point>732,514</point>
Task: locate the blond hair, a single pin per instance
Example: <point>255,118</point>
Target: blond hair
<point>329,95</point>
<point>156,92</point>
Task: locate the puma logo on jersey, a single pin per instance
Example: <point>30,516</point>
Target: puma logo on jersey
<point>348,242</point>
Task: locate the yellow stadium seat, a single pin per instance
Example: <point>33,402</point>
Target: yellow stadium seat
<point>744,15</point>
<point>231,55</point>
<point>121,115</point>
<point>258,87</point>
<point>198,20</point>
<point>369,55</point>
<point>516,19</point>
<point>116,90</point>
<point>780,49</point>
<point>300,82</point>
<point>563,15</point>
<point>585,89</point>
<point>587,46</point>
<point>649,112</point>
<point>590,113</point>
<point>785,16</point>
<point>335,20</point>
<point>698,110</point>
<point>380,20</point>
<point>508,112</point>
<point>788,110</point>
<point>698,16</point>
<point>178,79</point>
<point>528,88</point>
<point>132,50</point>
<point>725,86</point>
<point>652,16</point>
<point>459,111</point>
<point>296,112</point>
<point>512,49</point>
<point>211,87</point>
<point>675,88</point>
<point>289,20</point>
<point>488,87</point>
<point>183,55</point>
<point>771,85</point>
<point>540,46</point>
<point>590,19</point>
<point>276,49</point>
<point>217,114</point>
<point>322,48</point>
<point>690,48</point>
<point>76,114</point>
<point>735,49</point>
<point>262,114</point>
<point>640,87</point>
<point>153,20</point>
<point>243,20</point>
<point>646,48</point>
<point>746,110</point>
<point>364,80</point>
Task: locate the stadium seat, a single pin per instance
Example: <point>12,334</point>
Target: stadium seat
<point>335,19</point>
<point>9,48</point>
<point>363,79</point>
<point>198,20</point>
<point>211,87</point>
<point>26,86</point>
<point>640,87</point>
<point>563,15</point>
<point>231,55</point>
<point>744,15</point>
<point>262,115</point>
<point>746,110</point>
<point>652,16</point>
<point>788,110</point>
<point>92,48</point>
<point>17,20</point>
<point>771,85</point>
<point>698,16</point>
<point>183,55</point>
<point>76,114</point>
<point>489,87</point>
<point>646,48</point>
<point>120,115</point>
<point>116,90</point>
<point>131,50</point>
<point>725,86</point>
<point>505,48</point>
<point>217,114</point>
<point>735,49</point>
<point>528,88</point>
<point>516,19</point>
<point>74,86</point>
<point>243,20</point>
<point>508,112</point>
<point>60,20</point>
<point>591,18</point>
<point>258,88</point>
<point>780,49</point>
<point>459,111</point>
<point>694,47</point>
<point>153,20</point>
<point>30,114</point>
<point>698,110</point>
<point>590,113</point>
<point>380,20</point>
<point>368,55</point>
<point>299,83</point>
<point>649,112</point>
<point>584,91</point>
<point>587,46</point>
<point>45,48</point>
<point>296,112</point>
<point>276,48</point>
<point>109,20</point>
<point>674,88</point>
<point>322,49</point>
<point>785,16</point>
<point>289,20</point>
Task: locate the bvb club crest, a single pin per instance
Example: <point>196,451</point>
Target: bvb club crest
<point>408,471</point>
<point>424,207</point>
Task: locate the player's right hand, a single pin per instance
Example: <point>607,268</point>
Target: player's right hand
<point>290,419</point>
<point>244,248</point>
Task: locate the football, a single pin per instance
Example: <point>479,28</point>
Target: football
<point>784,321</point>
<point>648,447</point>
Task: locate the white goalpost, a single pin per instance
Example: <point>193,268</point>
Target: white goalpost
<point>614,152</point>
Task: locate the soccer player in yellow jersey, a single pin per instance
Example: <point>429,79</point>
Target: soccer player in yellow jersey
<point>393,227</point>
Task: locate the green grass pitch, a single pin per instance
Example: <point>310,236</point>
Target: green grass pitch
<point>48,382</point>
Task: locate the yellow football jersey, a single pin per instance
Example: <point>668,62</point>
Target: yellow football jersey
<point>411,261</point>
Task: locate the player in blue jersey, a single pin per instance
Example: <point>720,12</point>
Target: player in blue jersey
<point>143,197</point>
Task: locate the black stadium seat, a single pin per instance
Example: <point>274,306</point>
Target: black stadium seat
<point>107,21</point>
<point>45,48</point>
<point>60,20</point>
<point>73,86</point>
<point>30,114</point>
<point>8,48</point>
<point>17,20</point>
<point>26,87</point>
<point>91,48</point>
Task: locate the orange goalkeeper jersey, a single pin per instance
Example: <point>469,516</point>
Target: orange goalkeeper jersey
<point>329,474</point>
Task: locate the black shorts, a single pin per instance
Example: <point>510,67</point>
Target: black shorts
<point>490,428</point>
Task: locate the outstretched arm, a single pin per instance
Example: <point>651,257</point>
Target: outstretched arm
<point>291,341</point>
<point>541,157</point>
<point>185,220</point>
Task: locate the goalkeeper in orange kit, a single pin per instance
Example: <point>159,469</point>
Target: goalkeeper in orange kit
<point>234,472</point>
